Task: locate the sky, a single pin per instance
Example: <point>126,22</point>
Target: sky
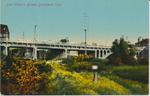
<point>105,20</point>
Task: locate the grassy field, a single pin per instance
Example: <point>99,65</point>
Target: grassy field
<point>82,82</point>
<point>137,73</point>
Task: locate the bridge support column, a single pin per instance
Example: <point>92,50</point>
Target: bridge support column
<point>102,55</point>
<point>99,55</point>
<point>66,53</point>
<point>6,51</point>
<point>85,52</point>
<point>95,53</point>
<point>34,53</point>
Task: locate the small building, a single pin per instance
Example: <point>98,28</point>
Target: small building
<point>142,47</point>
<point>142,42</point>
<point>4,32</point>
<point>145,53</point>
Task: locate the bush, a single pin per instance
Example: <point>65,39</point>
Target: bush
<point>22,76</point>
<point>115,60</point>
<point>143,61</point>
<point>84,63</point>
<point>68,61</point>
<point>81,66</point>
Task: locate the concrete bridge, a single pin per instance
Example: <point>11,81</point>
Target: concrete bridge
<point>33,50</point>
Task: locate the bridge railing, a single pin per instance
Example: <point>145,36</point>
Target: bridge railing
<point>31,42</point>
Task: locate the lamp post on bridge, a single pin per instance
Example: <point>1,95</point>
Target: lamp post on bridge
<point>85,30</point>
<point>34,38</point>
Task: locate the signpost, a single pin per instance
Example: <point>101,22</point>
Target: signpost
<point>94,68</point>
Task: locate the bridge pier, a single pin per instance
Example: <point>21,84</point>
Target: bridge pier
<point>6,50</point>
<point>95,53</point>
<point>34,53</point>
<point>2,50</point>
<point>66,53</point>
<point>99,55</point>
<point>85,52</point>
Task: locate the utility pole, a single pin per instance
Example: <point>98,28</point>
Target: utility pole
<point>35,33</point>
<point>85,30</point>
<point>23,37</point>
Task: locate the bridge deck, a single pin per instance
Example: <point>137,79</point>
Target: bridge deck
<point>54,45</point>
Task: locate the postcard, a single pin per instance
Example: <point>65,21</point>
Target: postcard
<point>74,47</point>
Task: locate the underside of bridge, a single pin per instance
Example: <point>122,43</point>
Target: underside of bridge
<point>91,53</point>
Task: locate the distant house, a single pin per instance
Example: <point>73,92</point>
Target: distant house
<point>142,47</point>
<point>145,53</point>
<point>142,43</point>
<point>4,32</point>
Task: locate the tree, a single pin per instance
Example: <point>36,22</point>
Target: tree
<point>123,53</point>
<point>64,40</point>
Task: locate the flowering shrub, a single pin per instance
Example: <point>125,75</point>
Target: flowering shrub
<point>21,77</point>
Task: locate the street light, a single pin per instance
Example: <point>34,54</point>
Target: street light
<point>94,68</point>
<point>85,30</point>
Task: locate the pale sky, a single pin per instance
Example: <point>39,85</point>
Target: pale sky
<point>56,19</point>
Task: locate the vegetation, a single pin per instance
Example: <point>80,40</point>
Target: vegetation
<point>66,40</point>
<point>123,53</point>
<point>22,76</point>
<point>50,77</point>
<point>84,63</point>
<point>135,87</point>
<point>137,73</point>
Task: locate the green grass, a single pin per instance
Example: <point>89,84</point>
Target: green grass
<point>135,87</point>
<point>127,68</point>
<point>137,73</point>
<point>70,82</point>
